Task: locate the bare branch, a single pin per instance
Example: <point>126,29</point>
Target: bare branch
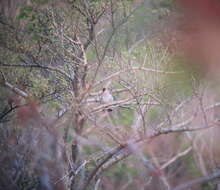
<point>93,173</point>
<point>117,103</point>
<point>123,151</point>
<point>135,69</point>
<point>55,69</point>
<point>179,155</point>
<point>199,180</point>
<point>16,90</point>
<point>13,88</point>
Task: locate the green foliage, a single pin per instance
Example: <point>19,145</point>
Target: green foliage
<point>167,3</point>
<point>54,106</point>
<point>25,12</point>
<point>40,2</point>
<point>91,54</point>
<point>156,4</point>
<point>40,86</point>
<point>177,86</point>
<point>192,169</point>
<point>69,139</point>
<point>208,186</point>
<point>35,20</point>
<point>121,171</point>
<point>155,115</point>
<point>127,116</point>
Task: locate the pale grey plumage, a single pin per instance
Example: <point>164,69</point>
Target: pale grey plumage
<point>107,97</point>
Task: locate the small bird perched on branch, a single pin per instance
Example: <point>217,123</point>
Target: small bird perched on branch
<point>107,97</point>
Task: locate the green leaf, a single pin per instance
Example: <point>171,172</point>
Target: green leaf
<point>22,15</point>
<point>27,9</point>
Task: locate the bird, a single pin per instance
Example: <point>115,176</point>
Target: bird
<point>107,97</point>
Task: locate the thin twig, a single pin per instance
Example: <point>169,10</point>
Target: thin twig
<point>135,68</point>
<point>199,180</point>
<point>179,155</point>
<point>39,67</point>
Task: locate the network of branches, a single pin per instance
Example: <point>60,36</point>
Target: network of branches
<point>95,94</point>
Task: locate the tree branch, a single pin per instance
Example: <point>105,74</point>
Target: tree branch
<point>123,151</point>
<point>39,67</point>
<point>16,90</point>
<point>13,88</point>
<point>135,69</point>
<point>199,180</point>
<point>179,155</point>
